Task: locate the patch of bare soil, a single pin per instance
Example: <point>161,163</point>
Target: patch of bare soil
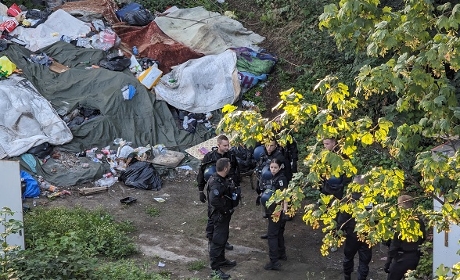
<point>176,236</point>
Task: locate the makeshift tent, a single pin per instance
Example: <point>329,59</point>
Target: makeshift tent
<point>206,32</point>
<point>202,85</point>
<point>141,120</point>
<point>27,119</point>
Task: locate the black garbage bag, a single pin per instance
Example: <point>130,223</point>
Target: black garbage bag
<point>41,151</point>
<point>141,175</point>
<point>140,17</point>
<point>116,63</point>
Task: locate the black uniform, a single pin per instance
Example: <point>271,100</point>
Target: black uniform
<point>403,255</point>
<point>335,186</point>
<point>292,154</point>
<point>211,159</point>
<point>275,231</point>
<point>220,199</point>
<point>265,161</point>
<point>234,174</point>
<point>353,246</point>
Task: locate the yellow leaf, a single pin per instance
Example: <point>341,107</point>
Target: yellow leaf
<point>367,139</point>
<point>228,108</point>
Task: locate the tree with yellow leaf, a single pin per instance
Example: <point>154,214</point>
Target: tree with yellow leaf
<point>415,85</point>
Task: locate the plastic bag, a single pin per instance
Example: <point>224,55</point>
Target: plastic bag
<point>6,66</point>
<point>142,175</point>
<point>106,182</point>
<point>32,188</point>
<point>140,17</point>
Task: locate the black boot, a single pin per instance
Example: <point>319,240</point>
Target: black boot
<point>228,246</point>
<point>273,266</point>
<point>219,274</point>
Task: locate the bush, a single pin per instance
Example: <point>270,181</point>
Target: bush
<point>73,244</point>
<point>94,229</point>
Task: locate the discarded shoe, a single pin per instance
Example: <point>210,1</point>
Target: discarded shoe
<point>227,263</point>
<point>272,266</point>
<point>228,246</point>
<point>264,236</point>
<point>219,274</point>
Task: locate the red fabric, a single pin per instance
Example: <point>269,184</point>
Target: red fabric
<point>151,42</point>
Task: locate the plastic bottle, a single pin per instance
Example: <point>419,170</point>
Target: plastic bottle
<point>135,50</point>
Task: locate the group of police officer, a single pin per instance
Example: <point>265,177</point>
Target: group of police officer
<point>218,184</point>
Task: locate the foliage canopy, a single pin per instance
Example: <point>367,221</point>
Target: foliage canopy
<point>415,87</point>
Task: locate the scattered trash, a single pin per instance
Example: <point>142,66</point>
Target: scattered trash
<point>88,191</point>
<point>185,167</point>
<point>203,150</point>
<point>135,67</point>
<point>150,77</point>
<point>46,186</point>
<point>161,264</point>
<point>128,200</point>
<point>106,181</point>
<point>159,199</point>
<point>60,194</point>
<point>159,149</point>
<point>128,92</point>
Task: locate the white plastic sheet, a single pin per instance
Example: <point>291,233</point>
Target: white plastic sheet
<point>206,32</point>
<point>28,119</point>
<point>201,85</point>
<point>58,23</point>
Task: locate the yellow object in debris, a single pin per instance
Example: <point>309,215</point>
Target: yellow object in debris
<point>6,65</point>
<point>150,77</point>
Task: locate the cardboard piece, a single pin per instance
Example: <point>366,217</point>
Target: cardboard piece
<point>169,158</point>
<point>198,151</point>
<point>150,77</point>
<point>58,67</point>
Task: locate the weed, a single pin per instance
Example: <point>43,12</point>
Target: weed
<point>128,270</point>
<point>196,265</point>
<point>165,273</point>
<point>152,211</point>
<point>94,229</point>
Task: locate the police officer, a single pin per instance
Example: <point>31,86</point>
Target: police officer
<point>403,255</point>
<point>271,151</point>
<point>221,201</point>
<point>292,154</point>
<point>210,159</point>
<point>352,244</point>
<point>333,185</point>
<point>275,230</point>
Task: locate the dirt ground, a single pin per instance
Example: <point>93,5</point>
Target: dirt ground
<point>176,236</point>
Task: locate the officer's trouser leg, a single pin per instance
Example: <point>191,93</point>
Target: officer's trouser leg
<point>273,234</point>
<point>365,256</point>
<point>349,252</point>
<point>219,238</point>
<point>210,224</point>
<point>401,264</point>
